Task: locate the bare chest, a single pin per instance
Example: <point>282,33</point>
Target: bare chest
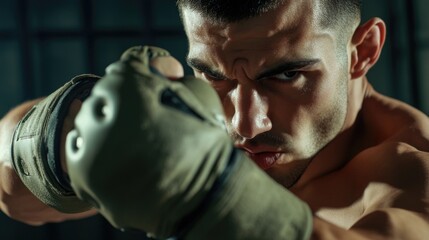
<point>344,215</point>
<point>338,200</point>
<point>334,203</point>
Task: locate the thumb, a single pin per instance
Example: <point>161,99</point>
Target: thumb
<point>168,66</point>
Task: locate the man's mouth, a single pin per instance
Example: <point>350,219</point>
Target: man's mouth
<point>264,160</point>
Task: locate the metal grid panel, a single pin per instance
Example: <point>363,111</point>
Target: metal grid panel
<point>55,40</point>
<point>421,46</point>
<point>43,43</point>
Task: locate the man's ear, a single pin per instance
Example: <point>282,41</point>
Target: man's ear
<point>367,43</point>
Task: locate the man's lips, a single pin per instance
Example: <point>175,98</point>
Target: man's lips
<point>264,160</point>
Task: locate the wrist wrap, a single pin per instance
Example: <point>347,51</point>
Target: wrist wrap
<point>36,146</point>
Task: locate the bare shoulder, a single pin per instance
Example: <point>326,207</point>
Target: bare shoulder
<point>392,175</point>
<point>390,120</point>
<point>383,190</point>
<point>400,155</point>
<point>393,180</point>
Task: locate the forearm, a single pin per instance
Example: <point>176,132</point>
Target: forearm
<point>16,200</point>
<point>7,127</point>
<point>251,205</point>
<point>37,146</point>
<point>31,142</point>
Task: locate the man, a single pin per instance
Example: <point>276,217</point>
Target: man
<point>296,99</point>
<point>297,102</point>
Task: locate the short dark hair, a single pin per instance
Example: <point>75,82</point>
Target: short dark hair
<point>340,13</point>
<point>229,10</point>
<point>336,14</point>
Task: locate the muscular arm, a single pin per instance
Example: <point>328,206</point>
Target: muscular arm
<point>16,200</point>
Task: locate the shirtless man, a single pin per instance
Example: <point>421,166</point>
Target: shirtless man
<point>296,100</point>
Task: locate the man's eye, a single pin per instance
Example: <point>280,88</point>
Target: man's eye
<point>211,78</point>
<point>287,76</point>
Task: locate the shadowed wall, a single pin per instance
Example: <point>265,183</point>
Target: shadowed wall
<point>46,42</point>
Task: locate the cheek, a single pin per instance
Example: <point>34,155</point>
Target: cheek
<point>323,90</point>
<point>301,111</point>
<point>329,107</point>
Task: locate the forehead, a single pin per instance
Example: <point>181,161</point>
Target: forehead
<point>291,26</point>
<point>288,16</point>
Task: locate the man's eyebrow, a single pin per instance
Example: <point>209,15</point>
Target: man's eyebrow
<point>205,68</point>
<point>287,66</point>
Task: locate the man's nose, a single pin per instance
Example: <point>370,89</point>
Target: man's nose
<point>250,117</point>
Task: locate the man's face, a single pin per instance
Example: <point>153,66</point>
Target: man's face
<point>282,85</point>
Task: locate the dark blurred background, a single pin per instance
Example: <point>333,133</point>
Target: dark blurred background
<point>43,43</point>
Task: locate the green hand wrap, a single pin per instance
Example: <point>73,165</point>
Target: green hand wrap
<point>152,154</point>
<point>36,146</point>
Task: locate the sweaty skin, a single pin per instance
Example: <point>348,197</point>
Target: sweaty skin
<point>300,105</point>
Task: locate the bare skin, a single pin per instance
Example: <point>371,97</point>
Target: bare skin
<point>16,200</point>
<point>359,159</point>
<point>365,178</point>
